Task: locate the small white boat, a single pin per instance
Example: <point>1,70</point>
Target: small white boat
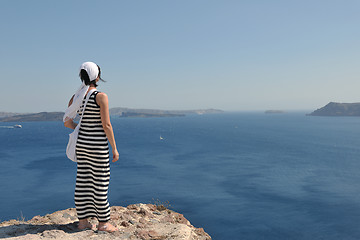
<point>161,138</point>
<point>17,126</point>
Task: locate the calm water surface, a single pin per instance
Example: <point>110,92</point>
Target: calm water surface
<point>237,175</point>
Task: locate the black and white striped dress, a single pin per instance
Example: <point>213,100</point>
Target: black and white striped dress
<point>93,167</point>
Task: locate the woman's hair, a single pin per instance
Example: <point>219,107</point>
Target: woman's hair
<point>85,77</point>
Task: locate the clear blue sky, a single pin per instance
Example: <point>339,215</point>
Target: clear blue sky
<point>182,54</point>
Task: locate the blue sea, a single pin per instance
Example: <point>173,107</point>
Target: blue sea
<point>237,175</point>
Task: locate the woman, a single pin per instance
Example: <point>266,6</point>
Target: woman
<point>92,150</point>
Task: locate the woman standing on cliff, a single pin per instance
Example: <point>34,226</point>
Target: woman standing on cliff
<point>92,150</point>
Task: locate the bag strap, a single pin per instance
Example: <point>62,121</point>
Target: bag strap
<point>87,99</point>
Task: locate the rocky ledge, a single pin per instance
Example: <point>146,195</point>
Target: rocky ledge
<point>137,221</point>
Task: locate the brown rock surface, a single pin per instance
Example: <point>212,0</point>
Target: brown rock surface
<point>136,221</point>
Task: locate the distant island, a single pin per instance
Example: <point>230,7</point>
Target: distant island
<point>334,109</point>
<point>120,112</point>
<point>34,117</point>
<point>273,111</point>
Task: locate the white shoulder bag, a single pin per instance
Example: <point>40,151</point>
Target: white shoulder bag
<point>71,147</point>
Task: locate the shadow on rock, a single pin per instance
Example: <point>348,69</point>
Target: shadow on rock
<point>45,230</point>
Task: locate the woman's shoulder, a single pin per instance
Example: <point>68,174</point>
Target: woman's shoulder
<point>100,94</point>
<point>101,97</point>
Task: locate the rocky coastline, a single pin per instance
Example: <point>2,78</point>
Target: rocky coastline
<point>136,221</point>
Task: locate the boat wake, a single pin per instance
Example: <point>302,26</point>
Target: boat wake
<point>15,126</point>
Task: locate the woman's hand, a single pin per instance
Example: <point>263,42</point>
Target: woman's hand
<point>70,124</point>
<point>115,155</point>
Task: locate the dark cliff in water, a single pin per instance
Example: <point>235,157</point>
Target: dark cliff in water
<point>338,109</point>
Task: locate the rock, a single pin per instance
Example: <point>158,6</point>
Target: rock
<point>136,221</point>
<point>133,207</point>
<point>152,207</point>
<point>154,220</point>
<point>36,218</point>
<point>143,212</point>
<point>179,218</point>
<point>52,234</point>
<point>149,234</point>
<point>124,224</point>
<point>201,232</point>
<point>140,225</point>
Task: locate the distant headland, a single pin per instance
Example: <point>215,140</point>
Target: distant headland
<point>334,109</point>
<point>120,112</point>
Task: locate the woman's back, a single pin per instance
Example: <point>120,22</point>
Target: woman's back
<point>92,150</point>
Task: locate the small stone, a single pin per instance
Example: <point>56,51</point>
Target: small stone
<point>140,225</point>
<point>154,220</point>
<point>127,236</point>
<point>66,215</point>
<point>115,217</point>
<point>117,208</point>
<point>161,207</point>
<point>36,218</point>
<point>52,234</point>
<point>132,207</point>
<point>125,224</point>
<point>152,207</point>
<point>148,234</point>
<point>167,219</point>
<point>129,215</point>
<point>154,235</point>
<point>179,218</point>
<point>200,231</point>
<point>143,212</point>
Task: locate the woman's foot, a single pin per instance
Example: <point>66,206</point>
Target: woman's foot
<point>107,227</point>
<point>85,224</point>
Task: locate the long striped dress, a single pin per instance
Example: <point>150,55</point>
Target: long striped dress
<point>93,167</point>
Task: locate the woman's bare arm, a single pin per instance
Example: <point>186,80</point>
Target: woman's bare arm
<point>70,123</point>
<point>103,102</point>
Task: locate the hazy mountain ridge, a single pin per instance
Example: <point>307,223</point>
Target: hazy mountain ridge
<point>8,114</point>
<point>121,112</point>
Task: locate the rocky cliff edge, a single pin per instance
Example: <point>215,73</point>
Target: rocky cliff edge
<point>137,221</point>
